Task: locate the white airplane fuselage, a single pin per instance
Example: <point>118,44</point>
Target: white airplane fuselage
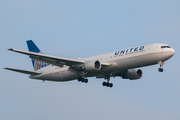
<point>118,61</point>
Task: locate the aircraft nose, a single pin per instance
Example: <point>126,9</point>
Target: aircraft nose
<point>173,51</point>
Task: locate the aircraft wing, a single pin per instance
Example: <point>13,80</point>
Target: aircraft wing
<point>24,71</point>
<point>58,61</point>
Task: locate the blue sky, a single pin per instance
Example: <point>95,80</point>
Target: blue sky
<point>80,28</point>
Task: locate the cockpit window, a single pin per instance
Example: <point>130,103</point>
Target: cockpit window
<point>165,47</point>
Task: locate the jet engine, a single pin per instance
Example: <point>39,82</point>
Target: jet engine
<point>133,74</point>
<point>92,65</point>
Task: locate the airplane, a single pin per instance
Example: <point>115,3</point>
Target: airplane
<point>122,63</point>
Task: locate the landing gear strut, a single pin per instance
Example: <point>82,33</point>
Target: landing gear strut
<point>107,84</point>
<point>80,79</point>
<point>161,65</point>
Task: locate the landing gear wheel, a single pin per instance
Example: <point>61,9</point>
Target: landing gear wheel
<point>82,80</point>
<point>86,80</point>
<point>104,83</point>
<point>160,69</point>
<point>110,85</point>
<point>79,79</point>
<point>107,84</point>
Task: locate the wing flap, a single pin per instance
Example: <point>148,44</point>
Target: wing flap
<point>51,59</point>
<point>24,71</point>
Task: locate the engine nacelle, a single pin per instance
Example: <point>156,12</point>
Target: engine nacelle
<point>92,66</point>
<point>133,74</point>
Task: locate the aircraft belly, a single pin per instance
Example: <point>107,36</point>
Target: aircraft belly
<point>60,76</point>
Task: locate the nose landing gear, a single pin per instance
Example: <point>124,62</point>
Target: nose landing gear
<point>161,65</point>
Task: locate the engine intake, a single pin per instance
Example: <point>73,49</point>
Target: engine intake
<point>92,66</point>
<point>133,74</point>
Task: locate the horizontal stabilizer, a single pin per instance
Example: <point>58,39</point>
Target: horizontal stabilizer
<point>24,71</point>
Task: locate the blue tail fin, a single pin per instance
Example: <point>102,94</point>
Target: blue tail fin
<point>33,48</point>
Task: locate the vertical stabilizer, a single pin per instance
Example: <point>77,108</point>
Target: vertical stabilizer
<point>33,48</point>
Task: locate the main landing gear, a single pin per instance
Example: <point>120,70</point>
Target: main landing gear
<point>107,84</point>
<point>161,65</point>
<point>80,79</point>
